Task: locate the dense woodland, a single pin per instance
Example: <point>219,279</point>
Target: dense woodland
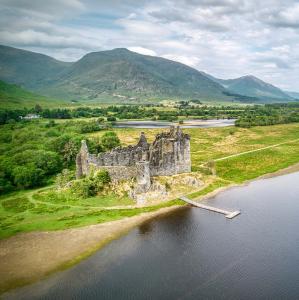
<point>33,152</point>
<point>246,116</point>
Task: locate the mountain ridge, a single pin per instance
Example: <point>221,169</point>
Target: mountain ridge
<point>251,86</point>
<point>122,73</point>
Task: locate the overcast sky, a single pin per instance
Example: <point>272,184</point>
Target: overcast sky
<point>226,38</point>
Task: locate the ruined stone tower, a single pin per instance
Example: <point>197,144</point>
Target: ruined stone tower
<point>169,154</point>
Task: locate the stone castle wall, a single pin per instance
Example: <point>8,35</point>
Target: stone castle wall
<point>169,154</point>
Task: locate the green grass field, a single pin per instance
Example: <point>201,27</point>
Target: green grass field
<point>43,209</point>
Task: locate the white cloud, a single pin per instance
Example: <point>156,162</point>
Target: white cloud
<point>227,38</point>
<point>143,50</point>
<point>191,61</point>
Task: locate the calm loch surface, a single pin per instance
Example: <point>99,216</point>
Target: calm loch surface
<point>196,254</point>
<point>186,124</point>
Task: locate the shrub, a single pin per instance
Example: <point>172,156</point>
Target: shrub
<point>92,185</point>
<point>84,187</point>
<point>5,185</point>
<point>48,161</point>
<point>51,123</point>
<point>111,119</point>
<point>100,179</point>
<point>110,140</point>
<point>63,178</point>
<point>28,176</point>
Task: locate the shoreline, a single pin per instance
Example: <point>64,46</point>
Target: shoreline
<point>31,256</point>
<point>288,170</point>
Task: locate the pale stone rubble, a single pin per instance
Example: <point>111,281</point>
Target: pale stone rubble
<point>169,154</point>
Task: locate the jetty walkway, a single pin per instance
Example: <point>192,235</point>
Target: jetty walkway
<point>228,214</point>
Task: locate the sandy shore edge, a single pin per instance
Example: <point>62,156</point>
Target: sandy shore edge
<point>31,256</point>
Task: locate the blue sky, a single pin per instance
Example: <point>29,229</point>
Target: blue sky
<point>226,38</point>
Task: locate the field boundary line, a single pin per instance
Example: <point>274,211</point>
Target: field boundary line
<point>255,150</point>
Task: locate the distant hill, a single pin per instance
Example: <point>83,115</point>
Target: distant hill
<point>13,96</point>
<point>29,69</point>
<point>295,95</point>
<point>124,75</point>
<point>120,72</point>
<point>253,87</point>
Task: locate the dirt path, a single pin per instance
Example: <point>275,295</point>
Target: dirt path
<point>34,202</point>
<point>256,150</point>
<point>28,257</point>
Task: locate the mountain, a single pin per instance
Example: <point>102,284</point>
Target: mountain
<point>253,87</point>
<point>13,96</point>
<point>121,72</point>
<point>29,69</point>
<point>123,75</point>
<point>294,95</point>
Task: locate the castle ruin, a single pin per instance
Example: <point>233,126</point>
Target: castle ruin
<point>169,154</point>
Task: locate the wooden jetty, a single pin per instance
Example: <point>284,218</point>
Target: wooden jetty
<point>228,214</point>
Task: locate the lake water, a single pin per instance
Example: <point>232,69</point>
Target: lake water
<point>186,124</point>
<point>197,254</point>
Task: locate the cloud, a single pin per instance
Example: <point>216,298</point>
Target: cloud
<point>226,38</point>
<point>191,61</point>
<point>47,9</point>
<point>142,50</point>
<point>286,17</point>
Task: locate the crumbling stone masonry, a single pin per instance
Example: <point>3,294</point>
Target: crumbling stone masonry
<point>169,154</point>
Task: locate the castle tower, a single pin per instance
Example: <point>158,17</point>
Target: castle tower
<point>82,160</point>
<point>170,153</point>
<point>142,141</point>
<point>182,152</point>
<point>143,176</point>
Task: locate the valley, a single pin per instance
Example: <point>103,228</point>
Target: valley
<point>240,130</point>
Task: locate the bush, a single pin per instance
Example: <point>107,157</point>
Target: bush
<point>84,187</point>
<point>5,185</point>
<point>28,176</point>
<point>48,161</point>
<point>88,127</point>
<point>65,177</point>
<point>51,123</point>
<point>110,140</point>
<point>92,185</point>
<point>100,179</point>
<point>111,119</point>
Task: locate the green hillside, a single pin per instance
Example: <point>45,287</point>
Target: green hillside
<point>122,76</point>
<point>115,74</point>
<point>29,69</point>
<point>13,96</point>
<point>252,86</point>
<point>123,73</point>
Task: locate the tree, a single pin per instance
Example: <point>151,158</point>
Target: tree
<point>110,140</point>
<point>38,108</point>
<point>47,161</point>
<point>28,176</point>
<point>70,151</point>
<point>111,119</point>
